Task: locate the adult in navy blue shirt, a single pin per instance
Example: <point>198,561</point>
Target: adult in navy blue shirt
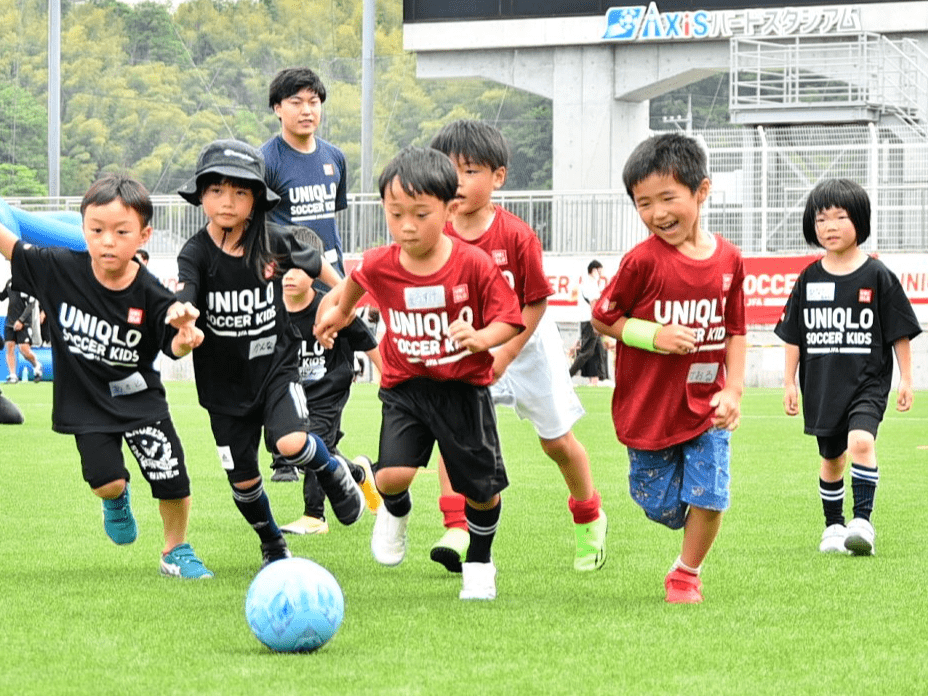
<point>309,174</point>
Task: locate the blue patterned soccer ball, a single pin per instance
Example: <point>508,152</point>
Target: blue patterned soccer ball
<point>294,605</point>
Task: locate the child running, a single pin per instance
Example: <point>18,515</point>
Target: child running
<point>326,375</point>
<point>530,371</point>
<point>845,316</point>
<point>107,316</point>
<point>246,369</point>
<point>677,306</point>
<point>445,304</point>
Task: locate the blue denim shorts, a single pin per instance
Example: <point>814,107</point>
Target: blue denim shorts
<point>666,482</point>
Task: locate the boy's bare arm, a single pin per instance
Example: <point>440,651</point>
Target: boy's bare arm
<point>532,314</point>
<point>336,310</point>
<point>905,396</point>
<point>727,402</point>
<point>493,334</point>
<point>667,338</point>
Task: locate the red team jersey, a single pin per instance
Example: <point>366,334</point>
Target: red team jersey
<point>663,400</point>
<point>417,311</point>
<point>516,249</point>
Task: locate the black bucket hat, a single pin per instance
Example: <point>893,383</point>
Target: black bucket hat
<point>231,158</point>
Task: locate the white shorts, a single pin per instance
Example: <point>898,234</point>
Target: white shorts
<point>537,384</point>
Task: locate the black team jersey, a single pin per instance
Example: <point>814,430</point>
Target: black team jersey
<point>845,327</point>
<point>248,336</point>
<point>103,341</point>
<point>325,373</point>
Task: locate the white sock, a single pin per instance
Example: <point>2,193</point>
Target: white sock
<point>680,564</point>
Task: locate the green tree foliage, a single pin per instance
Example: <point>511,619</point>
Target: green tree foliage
<point>145,87</point>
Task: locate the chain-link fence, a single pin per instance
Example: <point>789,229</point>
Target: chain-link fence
<point>761,177</point>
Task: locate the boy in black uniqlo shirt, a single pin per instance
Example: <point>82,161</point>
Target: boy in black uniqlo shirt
<point>107,317</point>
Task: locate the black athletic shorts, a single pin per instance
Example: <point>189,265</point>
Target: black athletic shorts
<point>237,437</point>
<point>833,446</point>
<point>156,448</point>
<point>24,335</point>
<point>460,417</point>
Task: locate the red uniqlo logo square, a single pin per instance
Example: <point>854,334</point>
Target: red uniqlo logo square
<point>459,293</point>
<point>499,255</point>
<point>135,316</point>
<point>865,296</point>
<point>328,169</point>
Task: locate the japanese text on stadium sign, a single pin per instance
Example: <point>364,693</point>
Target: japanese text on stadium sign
<point>647,23</point>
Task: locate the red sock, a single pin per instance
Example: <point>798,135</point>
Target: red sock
<point>452,508</point>
<point>585,511</point>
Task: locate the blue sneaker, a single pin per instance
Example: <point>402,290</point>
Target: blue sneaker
<point>181,562</point>
<point>118,522</point>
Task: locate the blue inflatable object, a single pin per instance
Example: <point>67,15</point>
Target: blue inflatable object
<point>61,229</point>
<point>8,217</point>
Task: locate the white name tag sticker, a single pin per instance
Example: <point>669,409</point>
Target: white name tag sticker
<point>133,384</point>
<point>702,373</point>
<point>432,297</point>
<point>330,255</point>
<point>262,346</point>
<point>820,292</point>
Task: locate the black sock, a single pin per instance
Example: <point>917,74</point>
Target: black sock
<point>482,525</point>
<point>864,481</point>
<point>398,504</point>
<point>832,493</point>
<point>256,509</point>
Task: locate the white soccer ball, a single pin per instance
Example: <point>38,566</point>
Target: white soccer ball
<point>294,605</point>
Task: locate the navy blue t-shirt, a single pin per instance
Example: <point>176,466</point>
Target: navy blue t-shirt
<point>312,188</point>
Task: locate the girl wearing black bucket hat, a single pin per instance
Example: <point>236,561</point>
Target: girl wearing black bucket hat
<point>246,369</point>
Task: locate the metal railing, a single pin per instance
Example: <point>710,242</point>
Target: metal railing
<point>760,178</point>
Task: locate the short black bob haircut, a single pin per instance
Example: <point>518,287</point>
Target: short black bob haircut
<point>421,171</point>
<point>667,154</point>
<point>837,193</point>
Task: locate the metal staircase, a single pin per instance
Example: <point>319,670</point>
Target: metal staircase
<point>850,78</point>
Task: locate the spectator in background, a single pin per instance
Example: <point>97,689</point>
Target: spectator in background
<point>590,360</point>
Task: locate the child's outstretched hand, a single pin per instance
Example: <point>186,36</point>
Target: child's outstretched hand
<point>727,405</point>
<point>183,316</point>
<point>328,323</point>
<point>905,397</point>
<point>791,400</point>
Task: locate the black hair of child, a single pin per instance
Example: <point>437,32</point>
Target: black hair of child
<point>421,171</point>
<point>290,81</point>
<point>120,187</point>
<point>476,142</point>
<point>837,193</point>
<point>667,154</point>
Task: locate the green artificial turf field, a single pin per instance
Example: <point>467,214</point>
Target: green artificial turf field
<point>83,616</point>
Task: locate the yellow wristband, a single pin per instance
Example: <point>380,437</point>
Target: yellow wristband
<point>639,333</point>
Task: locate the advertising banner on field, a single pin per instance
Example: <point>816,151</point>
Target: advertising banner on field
<point>767,283</point>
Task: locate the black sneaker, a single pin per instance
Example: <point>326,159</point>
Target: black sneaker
<point>343,492</point>
<point>285,474</point>
<point>274,550</point>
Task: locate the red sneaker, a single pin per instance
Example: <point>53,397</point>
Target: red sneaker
<point>683,587</point>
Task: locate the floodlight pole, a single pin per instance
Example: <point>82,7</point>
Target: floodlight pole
<point>54,98</point>
<point>367,95</point>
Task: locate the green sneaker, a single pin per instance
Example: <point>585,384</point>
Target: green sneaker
<point>118,522</point>
<point>451,549</point>
<point>181,562</point>
<point>591,543</point>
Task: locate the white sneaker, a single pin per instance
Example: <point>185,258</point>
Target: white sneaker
<point>833,539</point>
<point>860,536</point>
<point>479,581</point>
<point>388,541</point>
